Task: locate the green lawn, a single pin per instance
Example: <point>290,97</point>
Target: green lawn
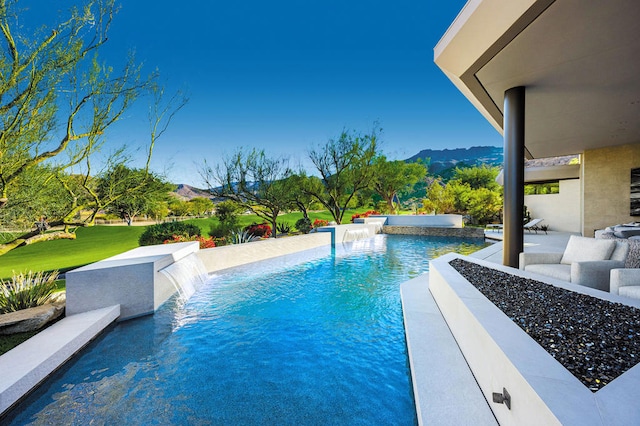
<point>92,244</point>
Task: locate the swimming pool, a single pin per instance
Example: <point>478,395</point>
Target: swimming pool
<point>314,338</point>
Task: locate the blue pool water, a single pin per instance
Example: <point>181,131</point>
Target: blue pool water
<point>314,338</point>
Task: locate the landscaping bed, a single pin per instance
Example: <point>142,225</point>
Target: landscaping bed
<point>596,340</point>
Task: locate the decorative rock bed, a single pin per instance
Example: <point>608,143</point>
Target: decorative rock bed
<point>596,340</point>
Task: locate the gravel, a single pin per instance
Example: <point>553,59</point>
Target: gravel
<point>596,340</point>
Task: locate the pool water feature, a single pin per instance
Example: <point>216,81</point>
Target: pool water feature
<point>313,338</point>
<point>187,275</point>
<point>355,234</point>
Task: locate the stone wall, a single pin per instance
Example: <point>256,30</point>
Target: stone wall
<point>606,179</point>
<point>434,232</point>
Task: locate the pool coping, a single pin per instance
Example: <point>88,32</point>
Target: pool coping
<point>444,388</point>
<point>25,366</point>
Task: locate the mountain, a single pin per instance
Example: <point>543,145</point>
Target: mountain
<point>186,192</point>
<point>442,161</point>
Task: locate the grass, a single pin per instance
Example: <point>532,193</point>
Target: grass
<point>92,244</point>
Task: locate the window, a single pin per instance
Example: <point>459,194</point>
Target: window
<point>541,188</point>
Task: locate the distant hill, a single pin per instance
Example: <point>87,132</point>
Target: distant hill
<point>443,161</point>
<point>187,192</point>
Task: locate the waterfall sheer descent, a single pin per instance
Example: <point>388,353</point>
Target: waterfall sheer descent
<point>355,235</point>
<point>187,275</point>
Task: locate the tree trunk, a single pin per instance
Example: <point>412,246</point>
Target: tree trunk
<point>59,235</point>
<point>6,248</point>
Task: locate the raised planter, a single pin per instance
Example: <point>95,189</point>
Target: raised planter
<point>503,357</point>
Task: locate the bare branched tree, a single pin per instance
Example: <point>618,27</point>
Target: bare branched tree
<point>254,181</point>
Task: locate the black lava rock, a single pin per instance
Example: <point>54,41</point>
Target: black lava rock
<point>596,340</point>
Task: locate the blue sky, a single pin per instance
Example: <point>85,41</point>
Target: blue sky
<point>289,75</point>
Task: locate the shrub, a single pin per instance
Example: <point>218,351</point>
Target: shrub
<point>365,214</point>
<point>26,291</point>
<point>222,230</point>
<point>261,230</point>
<point>303,225</point>
<point>204,242</point>
<point>158,234</point>
<point>320,222</point>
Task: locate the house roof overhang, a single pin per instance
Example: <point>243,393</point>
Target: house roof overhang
<point>579,62</point>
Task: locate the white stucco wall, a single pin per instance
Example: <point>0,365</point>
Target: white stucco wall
<point>561,212</point>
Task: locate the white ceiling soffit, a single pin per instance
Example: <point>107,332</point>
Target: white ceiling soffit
<point>546,173</point>
<point>579,60</point>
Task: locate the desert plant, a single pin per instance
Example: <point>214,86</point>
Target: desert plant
<point>261,230</point>
<point>158,234</point>
<point>26,290</point>
<point>241,236</point>
<point>303,225</point>
<point>283,228</point>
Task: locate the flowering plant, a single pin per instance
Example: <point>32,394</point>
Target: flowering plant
<point>259,230</point>
<point>320,222</point>
<point>365,214</point>
<point>204,242</point>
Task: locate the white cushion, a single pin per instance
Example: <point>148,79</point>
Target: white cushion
<point>583,249</point>
<point>553,270</point>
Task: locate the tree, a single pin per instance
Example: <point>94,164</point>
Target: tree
<point>438,199</point>
<point>55,96</point>
<point>394,177</point>
<point>178,207</point>
<point>200,205</point>
<point>57,101</point>
<point>475,192</point>
<point>299,186</point>
<point>346,167</point>
<point>478,177</point>
<point>485,205</point>
<point>129,192</point>
<point>254,181</point>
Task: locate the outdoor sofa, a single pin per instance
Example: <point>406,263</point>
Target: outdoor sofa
<point>585,261</point>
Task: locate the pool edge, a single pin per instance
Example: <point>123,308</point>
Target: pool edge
<point>24,367</point>
<point>445,390</point>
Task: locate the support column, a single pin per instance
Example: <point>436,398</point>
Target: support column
<point>513,172</point>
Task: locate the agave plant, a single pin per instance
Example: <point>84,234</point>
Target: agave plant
<point>26,290</point>
<point>240,236</point>
<point>283,228</point>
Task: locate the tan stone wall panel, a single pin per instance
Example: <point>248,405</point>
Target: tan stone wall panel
<point>607,176</point>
